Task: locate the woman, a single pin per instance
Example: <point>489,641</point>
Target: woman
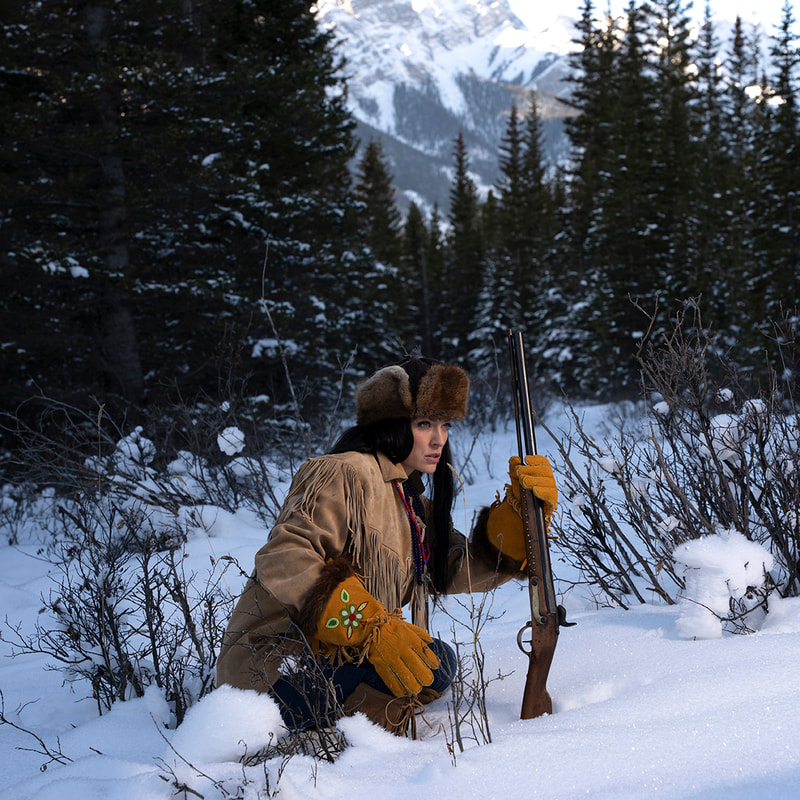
<point>319,624</point>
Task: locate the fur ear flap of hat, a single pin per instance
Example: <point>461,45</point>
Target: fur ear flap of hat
<point>442,393</point>
<point>385,395</point>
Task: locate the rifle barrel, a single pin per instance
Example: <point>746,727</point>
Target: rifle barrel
<point>543,598</point>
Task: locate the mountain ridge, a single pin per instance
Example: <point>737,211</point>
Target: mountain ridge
<point>421,71</point>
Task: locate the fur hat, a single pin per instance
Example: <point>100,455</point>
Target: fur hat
<point>416,388</point>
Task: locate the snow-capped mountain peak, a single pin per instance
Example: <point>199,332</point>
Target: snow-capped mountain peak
<point>421,71</point>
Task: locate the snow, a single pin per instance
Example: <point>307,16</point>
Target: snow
<point>718,568</point>
<point>231,441</point>
<point>652,701</point>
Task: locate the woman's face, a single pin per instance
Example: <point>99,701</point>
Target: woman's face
<point>430,436</point>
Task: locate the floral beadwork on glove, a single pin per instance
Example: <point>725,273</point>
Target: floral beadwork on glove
<point>350,615</point>
<point>354,626</point>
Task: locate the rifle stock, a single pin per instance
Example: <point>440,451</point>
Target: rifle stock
<point>546,615</point>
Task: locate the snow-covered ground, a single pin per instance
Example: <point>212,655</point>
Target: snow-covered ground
<point>641,708</point>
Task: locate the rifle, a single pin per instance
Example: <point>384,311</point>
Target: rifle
<point>546,615</point>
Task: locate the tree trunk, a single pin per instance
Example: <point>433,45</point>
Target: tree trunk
<point>117,327</point>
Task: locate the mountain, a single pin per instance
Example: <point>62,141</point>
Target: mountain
<point>421,71</point>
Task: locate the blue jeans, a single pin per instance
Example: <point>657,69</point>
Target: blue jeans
<point>305,700</point>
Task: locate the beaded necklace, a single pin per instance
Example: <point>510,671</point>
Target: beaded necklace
<point>413,507</point>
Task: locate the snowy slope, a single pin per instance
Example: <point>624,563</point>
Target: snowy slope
<point>641,709</point>
<point>390,43</point>
<point>421,71</point>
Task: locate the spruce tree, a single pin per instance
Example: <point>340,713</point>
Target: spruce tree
<point>435,258</point>
<point>671,241</point>
<point>780,163</point>
<point>464,258</point>
<point>422,285</point>
<point>379,214</point>
<point>711,200</point>
<point>589,127</point>
<point>513,253</point>
<point>723,187</point>
<point>527,222</point>
<point>158,152</point>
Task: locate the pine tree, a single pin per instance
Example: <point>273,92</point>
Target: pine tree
<point>723,187</point>
<point>710,198</point>
<point>156,154</point>
<point>616,244</point>
<point>464,261</point>
<point>526,225</point>
<point>513,253</point>
<point>589,128</point>
<point>418,276</point>
<point>380,216</point>
<point>671,244</point>
<point>435,258</point>
<point>538,193</point>
<point>780,164</point>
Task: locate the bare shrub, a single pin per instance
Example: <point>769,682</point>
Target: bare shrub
<point>706,453</point>
<point>122,614</point>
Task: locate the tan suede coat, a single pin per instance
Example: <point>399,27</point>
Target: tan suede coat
<point>338,505</point>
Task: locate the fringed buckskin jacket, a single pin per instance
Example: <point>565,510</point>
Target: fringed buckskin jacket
<point>339,506</point>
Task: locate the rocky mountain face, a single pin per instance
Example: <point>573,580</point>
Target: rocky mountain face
<point>421,71</point>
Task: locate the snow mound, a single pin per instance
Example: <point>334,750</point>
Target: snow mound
<point>717,569</point>
<point>225,725</point>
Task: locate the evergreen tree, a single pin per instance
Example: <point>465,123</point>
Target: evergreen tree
<point>464,260</point>
<point>156,150</point>
<point>517,232</point>
<point>435,258</point>
<point>672,243</point>
<point>724,186</point>
<point>506,283</point>
<point>496,295</point>
<point>616,245</point>
<point>379,216</point>
<point>539,196</point>
<point>420,278</point>
<point>589,128</point>
<point>710,228</point>
<point>780,164</point>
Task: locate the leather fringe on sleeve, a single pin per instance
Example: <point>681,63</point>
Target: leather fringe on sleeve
<point>379,567</point>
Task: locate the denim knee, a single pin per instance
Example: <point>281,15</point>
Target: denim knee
<point>448,665</point>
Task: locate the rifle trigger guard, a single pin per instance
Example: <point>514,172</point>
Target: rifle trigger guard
<point>520,643</point>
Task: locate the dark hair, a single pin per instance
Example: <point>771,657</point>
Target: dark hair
<point>394,438</point>
<point>443,494</point>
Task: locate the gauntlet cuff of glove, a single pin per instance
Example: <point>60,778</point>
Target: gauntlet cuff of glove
<point>486,550</point>
<point>333,574</point>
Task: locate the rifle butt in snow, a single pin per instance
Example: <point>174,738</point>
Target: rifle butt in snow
<point>546,615</point>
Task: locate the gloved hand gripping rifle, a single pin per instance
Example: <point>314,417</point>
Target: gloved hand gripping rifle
<point>546,615</point>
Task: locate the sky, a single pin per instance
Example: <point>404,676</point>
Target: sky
<point>767,12</point>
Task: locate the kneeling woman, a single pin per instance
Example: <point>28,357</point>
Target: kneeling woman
<point>319,624</point>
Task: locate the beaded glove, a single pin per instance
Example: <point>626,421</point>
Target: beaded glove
<point>355,626</point>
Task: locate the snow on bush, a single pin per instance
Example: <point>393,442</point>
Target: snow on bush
<point>231,441</point>
<point>134,452</point>
<point>718,570</point>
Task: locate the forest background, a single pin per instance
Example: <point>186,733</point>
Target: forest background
<point>187,222</point>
